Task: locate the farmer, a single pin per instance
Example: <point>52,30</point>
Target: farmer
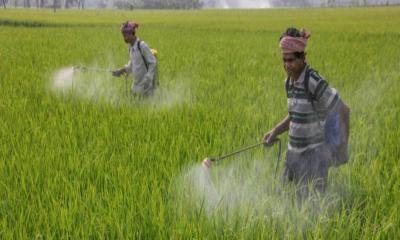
<point>142,63</point>
<point>310,101</point>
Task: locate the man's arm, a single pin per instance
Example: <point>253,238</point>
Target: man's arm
<point>118,72</point>
<point>123,70</point>
<point>281,127</point>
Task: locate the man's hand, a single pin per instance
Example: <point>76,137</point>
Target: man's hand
<point>118,72</point>
<point>269,138</point>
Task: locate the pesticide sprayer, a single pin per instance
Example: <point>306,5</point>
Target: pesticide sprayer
<point>96,69</point>
<point>92,69</point>
<point>207,162</point>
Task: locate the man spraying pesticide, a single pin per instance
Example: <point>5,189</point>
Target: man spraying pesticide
<point>142,62</point>
<point>318,120</point>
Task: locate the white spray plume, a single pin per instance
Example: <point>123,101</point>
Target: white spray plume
<point>90,85</point>
<point>166,97</point>
<point>245,188</point>
<point>101,87</point>
<point>63,79</point>
<point>234,186</point>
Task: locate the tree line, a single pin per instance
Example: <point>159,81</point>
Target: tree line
<point>121,4</point>
<point>44,3</point>
<point>158,4</point>
<point>181,4</point>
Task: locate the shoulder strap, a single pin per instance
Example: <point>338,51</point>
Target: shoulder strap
<point>287,82</point>
<point>309,95</point>
<point>138,45</point>
<point>141,53</point>
<point>307,83</point>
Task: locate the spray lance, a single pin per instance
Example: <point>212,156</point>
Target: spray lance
<point>207,162</point>
<point>96,69</point>
<point>92,69</point>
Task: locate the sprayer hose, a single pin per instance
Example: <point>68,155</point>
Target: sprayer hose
<point>278,156</point>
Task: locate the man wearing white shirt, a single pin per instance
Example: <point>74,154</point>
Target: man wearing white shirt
<point>142,63</point>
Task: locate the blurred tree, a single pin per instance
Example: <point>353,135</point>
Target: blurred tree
<point>56,4</point>
<point>27,3</point>
<point>331,3</point>
<point>290,3</point>
<point>159,4</point>
<point>81,4</point>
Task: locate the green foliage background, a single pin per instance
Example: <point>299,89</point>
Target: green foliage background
<point>74,168</point>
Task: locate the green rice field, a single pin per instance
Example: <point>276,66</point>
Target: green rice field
<point>81,159</point>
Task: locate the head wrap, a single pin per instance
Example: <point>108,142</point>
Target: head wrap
<point>129,27</point>
<point>290,44</point>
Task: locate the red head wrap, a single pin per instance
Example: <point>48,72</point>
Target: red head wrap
<point>290,44</point>
<point>129,27</point>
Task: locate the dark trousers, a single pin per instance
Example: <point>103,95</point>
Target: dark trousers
<point>308,168</point>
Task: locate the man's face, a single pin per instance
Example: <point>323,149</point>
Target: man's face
<point>128,38</point>
<point>293,65</point>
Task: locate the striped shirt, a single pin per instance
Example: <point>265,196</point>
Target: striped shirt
<point>307,119</point>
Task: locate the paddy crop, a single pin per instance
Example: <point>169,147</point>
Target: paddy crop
<point>86,161</point>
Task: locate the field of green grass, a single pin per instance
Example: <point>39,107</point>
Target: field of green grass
<point>86,161</point>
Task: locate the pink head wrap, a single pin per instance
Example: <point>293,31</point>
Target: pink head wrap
<point>129,27</point>
<point>290,44</point>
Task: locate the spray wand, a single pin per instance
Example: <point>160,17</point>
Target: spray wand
<point>94,69</point>
<point>209,160</point>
